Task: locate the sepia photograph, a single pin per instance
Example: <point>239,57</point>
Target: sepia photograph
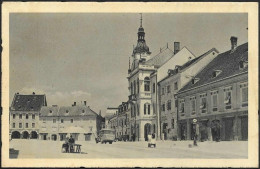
<point>129,85</point>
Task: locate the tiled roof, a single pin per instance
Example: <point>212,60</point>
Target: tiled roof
<point>28,102</point>
<point>227,63</point>
<point>189,63</point>
<point>160,58</point>
<point>78,110</point>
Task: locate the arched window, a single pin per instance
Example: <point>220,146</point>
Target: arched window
<point>134,87</point>
<point>137,85</point>
<point>131,88</point>
<point>146,84</point>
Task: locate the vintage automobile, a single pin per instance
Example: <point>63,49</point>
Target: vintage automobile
<point>106,136</point>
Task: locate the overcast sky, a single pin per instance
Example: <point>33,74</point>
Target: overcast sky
<point>77,57</point>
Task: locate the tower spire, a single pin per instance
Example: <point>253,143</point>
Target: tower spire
<point>141,20</point>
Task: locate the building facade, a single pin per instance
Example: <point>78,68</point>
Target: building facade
<point>214,105</point>
<point>57,123</point>
<point>24,115</point>
<point>171,84</point>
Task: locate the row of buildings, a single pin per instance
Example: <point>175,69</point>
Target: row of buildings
<point>31,118</point>
<point>175,94</point>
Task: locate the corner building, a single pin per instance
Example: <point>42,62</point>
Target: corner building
<point>217,98</point>
<point>143,75</point>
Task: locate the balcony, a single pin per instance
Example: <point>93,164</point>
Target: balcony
<point>132,97</point>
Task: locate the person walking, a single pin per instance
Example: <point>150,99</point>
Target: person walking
<point>71,143</point>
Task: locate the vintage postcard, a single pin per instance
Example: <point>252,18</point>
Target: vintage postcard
<point>129,84</point>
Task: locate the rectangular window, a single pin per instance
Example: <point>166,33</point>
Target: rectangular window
<point>20,125</point>
<point>176,86</point>
<point>20,116</point>
<point>163,107</point>
<point>148,108</point>
<point>193,106</point>
<point>13,125</point>
<point>215,102</point>
<point>26,116</point>
<point>228,99</point>
<point>33,125</point>
<point>153,87</point>
<point>244,96</point>
<point>172,123</point>
<point>26,125</point>
<point>13,116</point>
<point>168,89</point>
<point>61,120</point>
<point>182,108</point>
<point>203,105</point>
<point>144,108</point>
<point>162,91</point>
<point>54,120</point>
<point>169,105</point>
<point>71,120</point>
<point>33,116</point>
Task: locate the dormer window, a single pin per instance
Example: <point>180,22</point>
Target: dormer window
<point>216,73</point>
<point>170,71</point>
<point>243,64</point>
<point>194,80</point>
<point>83,111</point>
<point>177,69</point>
<point>67,111</point>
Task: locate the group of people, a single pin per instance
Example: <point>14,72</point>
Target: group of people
<point>68,145</point>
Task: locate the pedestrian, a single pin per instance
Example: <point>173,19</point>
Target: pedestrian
<point>71,143</point>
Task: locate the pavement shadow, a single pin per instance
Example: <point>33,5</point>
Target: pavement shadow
<point>13,153</point>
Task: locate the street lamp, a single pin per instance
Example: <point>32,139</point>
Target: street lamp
<point>195,132</point>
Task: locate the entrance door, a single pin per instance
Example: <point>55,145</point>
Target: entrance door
<point>165,130</point>
<point>244,128</point>
<point>183,131</point>
<point>44,137</point>
<point>147,130</point>
<point>228,129</point>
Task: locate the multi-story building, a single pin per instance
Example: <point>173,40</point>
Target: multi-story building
<point>145,72</point>
<point>124,128</point>
<point>111,111</point>
<point>217,98</point>
<point>171,84</point>
<point>57,123</point>
<point>24,115</point>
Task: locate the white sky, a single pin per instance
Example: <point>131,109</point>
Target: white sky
<point>76,57</point>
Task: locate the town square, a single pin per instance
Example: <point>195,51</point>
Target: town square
<point>129,86</point>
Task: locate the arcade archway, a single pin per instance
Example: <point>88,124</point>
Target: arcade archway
<point>34,135</point>
<point>25,135</point>
<point>16,135</point>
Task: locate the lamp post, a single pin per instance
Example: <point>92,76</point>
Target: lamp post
<point>195,133</point>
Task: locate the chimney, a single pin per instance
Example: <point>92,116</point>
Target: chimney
<point>85,103</point>
<point>176,47</point>
<point>100,112</point>
<point>74,104</point>
<point>233,40</point>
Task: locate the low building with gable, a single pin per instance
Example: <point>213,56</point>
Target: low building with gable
<point>57,123</point>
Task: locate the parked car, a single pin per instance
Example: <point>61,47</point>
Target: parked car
<point>106,136</point>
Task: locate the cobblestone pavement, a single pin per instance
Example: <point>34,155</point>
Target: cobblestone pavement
<point>164,149</point>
